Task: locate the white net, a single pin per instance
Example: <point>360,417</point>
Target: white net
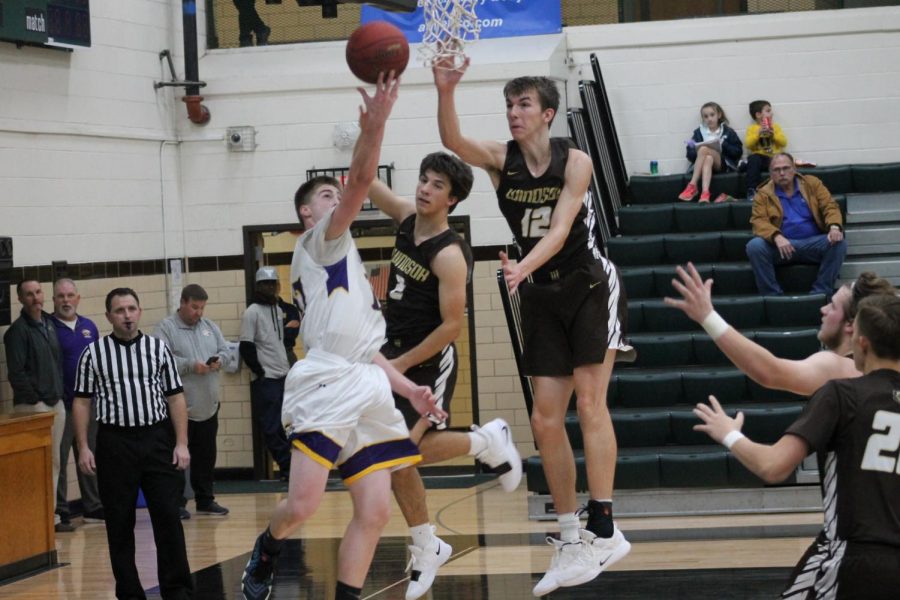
<point>449,25</point>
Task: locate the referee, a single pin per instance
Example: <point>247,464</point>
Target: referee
<point>141,443</point>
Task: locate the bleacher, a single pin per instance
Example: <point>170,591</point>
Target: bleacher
<point>678,365</point>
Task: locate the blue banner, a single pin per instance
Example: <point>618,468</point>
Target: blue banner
<point>498,18</point>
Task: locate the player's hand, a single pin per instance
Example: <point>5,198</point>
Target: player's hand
<point>376,109</point>
<point>86,461</point>
<point>512,272</point>
<point>696,294</point>
<point>181,458</point>
<point>424,402</point>
<point>835,235</point>
<point>716,424</point>
<point>447,74</point>
<point>785,248</point>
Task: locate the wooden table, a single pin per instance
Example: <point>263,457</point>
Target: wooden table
<point>27,538</point>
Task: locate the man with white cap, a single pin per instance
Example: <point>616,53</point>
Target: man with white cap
<point>262,348</point>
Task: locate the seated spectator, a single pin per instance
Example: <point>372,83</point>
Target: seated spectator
<point>714,147</point>
<point>795,220</point>
<point>764,140</point>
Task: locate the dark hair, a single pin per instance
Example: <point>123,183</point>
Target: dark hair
<point>19,285</point>
<point>723,120</point>
<point>757,107</point>
<point>193,291</point>
<point>878,320</point>
<point>305,192</point>
<point>123,291</point>
<point>867,284</point>
<point>458,172</point>
<point>548,94</point>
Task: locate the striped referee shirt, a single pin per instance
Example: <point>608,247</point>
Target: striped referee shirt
<point>128,380</point>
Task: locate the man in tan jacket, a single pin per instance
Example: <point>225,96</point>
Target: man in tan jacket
<point>795,220</point>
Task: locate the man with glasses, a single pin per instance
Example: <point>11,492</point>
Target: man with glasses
<point>795,220</point>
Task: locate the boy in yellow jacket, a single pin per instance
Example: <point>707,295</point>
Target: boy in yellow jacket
<point>764,139</point>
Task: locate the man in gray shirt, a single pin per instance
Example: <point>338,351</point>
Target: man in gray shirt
<point>199,349</point>
<point>262,348</point>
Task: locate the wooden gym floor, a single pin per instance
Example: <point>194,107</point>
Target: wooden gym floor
<point>497,553</point>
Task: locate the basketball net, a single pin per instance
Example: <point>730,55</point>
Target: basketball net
<point>449,25</point>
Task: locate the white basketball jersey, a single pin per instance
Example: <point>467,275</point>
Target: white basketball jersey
<point>340,312</point>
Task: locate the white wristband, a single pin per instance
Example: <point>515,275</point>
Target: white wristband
<point>714,325</point>
<point>732,438</point>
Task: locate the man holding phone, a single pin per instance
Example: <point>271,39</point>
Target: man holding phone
<point>199,348</point>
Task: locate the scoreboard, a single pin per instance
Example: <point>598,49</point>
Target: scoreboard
<point>46,22</point>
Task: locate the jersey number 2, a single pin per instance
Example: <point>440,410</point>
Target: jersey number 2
<point>536,221</point>
<point>873,459</point>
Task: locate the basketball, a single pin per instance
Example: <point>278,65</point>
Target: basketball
<point>376,47</point>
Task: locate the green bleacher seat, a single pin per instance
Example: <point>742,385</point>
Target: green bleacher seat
<point>640,389</point>
<point>573,430</point>
<point>734,245</point>
<point>655,189</point>
<point>659,317</point>
<point>743,312</point>
<point>707,353</point>
<point>636,251</point>
<point>691,217</point>
<point>766,424</point>
<point>792,345</point>
<point>762,395</point>
<point>733,279</point>
<point>637,470</point>
<point>740,214</point>
<point>727,384</point>
<point>731,183</point>
<point>739,475</point>
<point>696,247</point>
<point>796,279</point>
<point>663,350</point>
<point>841,200</point>
<point>638,281</point>
<point>646,219</point>
<point>639,428</point>
<point>876,178</point>
<point>795,310</point>
<point>837,178</point>
<point>682,424</point>
<point>635,316</point>
<point>693,466</point>
<point>612,391</point>
<point>663,276</point>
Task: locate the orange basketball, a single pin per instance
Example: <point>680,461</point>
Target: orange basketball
<point>375,47</point>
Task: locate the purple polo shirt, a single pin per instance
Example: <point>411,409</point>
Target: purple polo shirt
<point>71,344</point>
<point>798,223</point>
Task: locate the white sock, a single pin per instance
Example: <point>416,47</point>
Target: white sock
<point>478,443</point>
<point>568,527</point>
<point>421,534</point>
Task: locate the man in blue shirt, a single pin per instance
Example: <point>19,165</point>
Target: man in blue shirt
<point>795,220</point>
<point>75,333</point>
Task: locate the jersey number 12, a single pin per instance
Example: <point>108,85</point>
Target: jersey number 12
<point>536,221</point>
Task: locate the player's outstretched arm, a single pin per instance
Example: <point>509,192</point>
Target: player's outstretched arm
<point>364,164</point>
<point>772,463</point>
<point>419,396</point>
<point>488,155</point>
<point>390,203</point>
<point>798,376</point>
<point>571,199</point>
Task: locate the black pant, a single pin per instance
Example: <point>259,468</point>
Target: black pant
<point>129,458</point>
<point>267,396</point>
<point>248,19</point>
<point>756,164</point>
<point>202,446</point>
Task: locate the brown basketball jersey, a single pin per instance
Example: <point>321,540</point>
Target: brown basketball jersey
<point>854,426</point>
